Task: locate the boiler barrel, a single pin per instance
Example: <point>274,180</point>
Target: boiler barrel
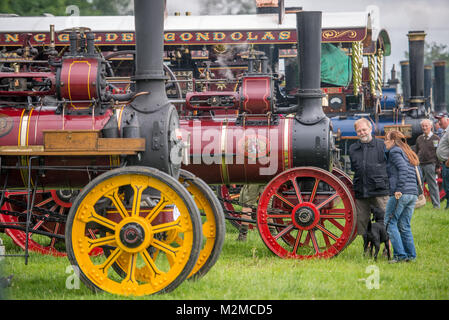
<point>228,151</point>
<point>22,128</point>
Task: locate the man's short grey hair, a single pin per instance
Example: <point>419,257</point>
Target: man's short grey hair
<point>428,121</point>
<point>362,120</point>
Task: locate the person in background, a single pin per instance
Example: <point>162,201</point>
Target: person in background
<point>438,130</point>
<point>443,154</point>
<point>370,183</point>
<point>249,196</point>
<point>401,170</point>
<point>425,147</point>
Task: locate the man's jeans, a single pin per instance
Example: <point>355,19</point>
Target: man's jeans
<point>398,215</point>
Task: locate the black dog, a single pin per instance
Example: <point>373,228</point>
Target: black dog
<point>376,234</point>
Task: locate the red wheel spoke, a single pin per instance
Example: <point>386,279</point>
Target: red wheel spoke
<point>284,200</point>
<point>298,192</point>
<point>337,224</point>
<point>322,204</point>
<point>337,210</point>
<point>327,232</point>
<point>315,187</point>
<point>332,216</point>
<point>283,232</point>
<point>297,241</point>
<point>37,225</point>
<point>326,240</point>
<point>40,204</point>
<point>314,241</point>
<point>57,227</point>
<point>279,215</point>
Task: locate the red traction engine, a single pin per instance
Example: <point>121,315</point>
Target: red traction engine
<point>245,137</point>
<point>96,171</point>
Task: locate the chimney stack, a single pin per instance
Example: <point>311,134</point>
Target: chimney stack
<point>416,59</point>
<point>440,86</point>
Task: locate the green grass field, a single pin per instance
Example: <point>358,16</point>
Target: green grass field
<point>249,270</point>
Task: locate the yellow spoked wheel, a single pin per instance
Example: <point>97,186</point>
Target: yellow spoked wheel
<point>213,222</point>
<point>212,217</point>
<point>147,223</point>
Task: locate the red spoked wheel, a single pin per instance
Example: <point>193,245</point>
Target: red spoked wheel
<point>51,203</point>
<point>306,213</point>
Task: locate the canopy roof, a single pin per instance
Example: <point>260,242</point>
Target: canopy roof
<point>338,27</point>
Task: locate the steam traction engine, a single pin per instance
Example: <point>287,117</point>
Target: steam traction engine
<point>118,156</point>
<point>244,137</point>
<point>63,128</point>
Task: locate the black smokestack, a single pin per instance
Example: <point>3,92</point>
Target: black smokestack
<point>416,58</point>
<point>440,86</point>
<point>150,114</point>
<point>427,84</point>
<point>149,76</point>
<point>308,24</point>
<point>405,81</point>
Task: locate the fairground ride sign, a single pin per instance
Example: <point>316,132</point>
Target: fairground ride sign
<point>188,37</point>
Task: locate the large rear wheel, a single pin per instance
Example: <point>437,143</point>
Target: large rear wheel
<point>147,221</point>
<point>312,212</point>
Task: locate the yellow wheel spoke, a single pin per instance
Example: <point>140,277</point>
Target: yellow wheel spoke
<point>150,263</point>
<point>131,270</point>
<point>94,217</point>
<point>157,209</point>
<point>168,226</point>
<point>110,260</point>
<point>168,249</point>
<point>115,198</point>
<point>138,190</point>
<point>93,243</point>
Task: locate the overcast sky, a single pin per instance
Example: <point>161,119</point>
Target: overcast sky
<point>396,16</point>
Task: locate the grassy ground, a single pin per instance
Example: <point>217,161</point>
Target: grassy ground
<point>250,271</point>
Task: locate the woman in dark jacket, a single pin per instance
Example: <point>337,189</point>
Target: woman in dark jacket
<point>401,162</point>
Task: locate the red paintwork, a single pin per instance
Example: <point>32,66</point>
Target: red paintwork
<point>256,91</point>
<point>45,118</point>
<point>79,81</point>
<point>39,120</point>
<point>238,164</point>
